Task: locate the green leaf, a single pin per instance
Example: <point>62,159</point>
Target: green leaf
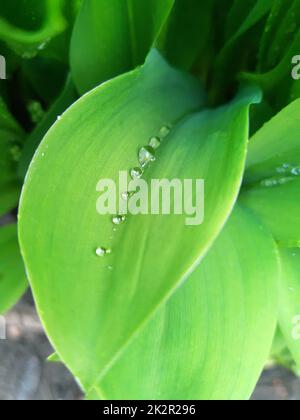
<point>10,142</point>
<point>289,294</point>
<point>26,25</point>
<point>280,42</point>
<point>187,33</point>
<point>12,276</point>
<point>272,179</point>
<point>46,77</point>
<point>99,53</point>
<point>277,81</point>
<point>66,98</point>
<point>9,195</point>
<point>212,338</point>
<point>279,10</point>
<point>58,48</point>
<point>54,358</point>
<point>7,121</point>
<point>98,137</point>
<point>278,206</point>
<point>283,28</point>
<point>275,148</point>
<point>280,353</point>
<point>246,14</point>
<point>238,51</point>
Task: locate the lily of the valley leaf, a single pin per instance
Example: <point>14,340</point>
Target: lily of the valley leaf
<point>150,256</point>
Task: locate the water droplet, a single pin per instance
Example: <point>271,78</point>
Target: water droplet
<point>276,181</point>
<point>154,142</point>
<point>127,195</point>
<point>118,220</point>
<point>283,181</point>
<point>164,131</point>
<point>42,46</point>
<point>146,155</point>
<point>59,118</point>
<point>102,252</point>
<point>110,267</point>
<point>295,171</point>
<point>269,183</point>
<point>136,173</point>
<point>285,168</point>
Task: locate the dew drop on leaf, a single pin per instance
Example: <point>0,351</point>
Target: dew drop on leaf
<point>146,155</point>
<point>127,195</point>
<point>269,183</point>
<point>102,252</point>
<point>136,173</point>
<point>118,220</point>
<point>295,171</point>
<point>164,131</point>
<point>154,142</point>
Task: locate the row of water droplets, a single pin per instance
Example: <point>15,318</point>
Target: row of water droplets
<point>287,173</point>
<point>146,155</point>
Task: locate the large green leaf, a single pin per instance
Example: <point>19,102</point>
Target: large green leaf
<point>26,25</point>
<point>12,276</point>
<point>212,338</point>
<point>109,299</point>
<point>289,293</point>
<point>99,53</point>
<point>272,182</point>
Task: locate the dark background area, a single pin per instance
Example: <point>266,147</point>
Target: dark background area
<point>26,375</point>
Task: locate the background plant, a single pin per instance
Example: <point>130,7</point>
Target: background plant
<point>194,309</point>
